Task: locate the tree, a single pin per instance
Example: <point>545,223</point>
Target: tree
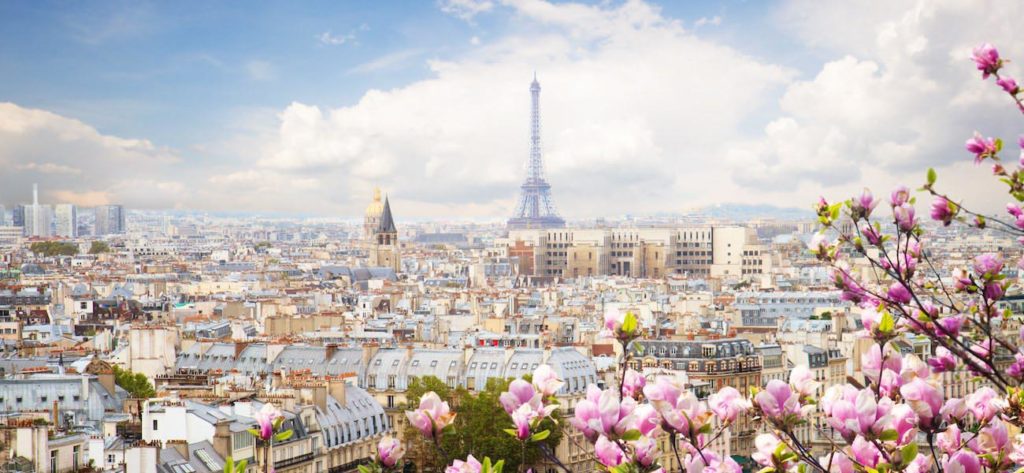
<point>478,429</point>
<point>136,384</point>
<point>54,248</point>
<point>98,247</point>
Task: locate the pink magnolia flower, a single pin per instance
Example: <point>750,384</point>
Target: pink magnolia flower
<point>389,451</point>
<point>521,419</point>
<point>646,418</point>
<point>587,418</point>
<point>777,400</point>
<point>1017,453</point>
<point>546,381</point>
<point>904,420</point>
<point>925,399</point>
<point>519,393</point>
<point>608,453</point>
<point>1009,85</point>
<point>962,461</point>
<point>950,439</point>
<point>951,325</point>
<point>602,413</point>
<point>983,404</point>
<point>865,453</point>
<point>471,465</point>
<point>685,414</point>
<point>899,293</point>
<point>265,419</point>
<point>986,57</point>
<point>1016,369</point>
<point>943,210</point>
<point>872,235</point>
<point>727,404</point>
<point>982,147</point>
<point>840,463</point>
<point>942,361</point>
<point>864,204</point>
<point>870,317</point>
<point>899,196</point>
<point>665,388</point>
<point>613,321</point>
<point>993,438</point>
<point>988,265</point>
<point>885,371</point>
<point>432,416</point>
<point>802,381</point>
<point>645,451</point>
<point>852,290</point>
<point>1014,209</point>
<point>904,216</point>
<point>921,464</point>
<point>994,291</point>
<point>765,445</point>
<point>715,464</point>
<point>633,383</point>
<point>953,410</point>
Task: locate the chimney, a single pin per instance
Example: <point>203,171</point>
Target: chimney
<point>369,351</point>
<point>181,446</point>
<point>239,347</point>
<point>106,379</point>
<point>320,392</point>
<point>336,388</point>
<point>331,348</point>
<point>222,438</point>
<point>55,415</point>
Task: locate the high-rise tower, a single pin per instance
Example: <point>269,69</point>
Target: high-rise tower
<point>535,209</point>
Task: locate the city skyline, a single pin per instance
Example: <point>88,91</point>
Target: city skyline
<point>305,116</point>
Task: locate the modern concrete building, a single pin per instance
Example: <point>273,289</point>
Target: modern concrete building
<point>706,251</point>
<point>66,221</point>
<point>110,219</point>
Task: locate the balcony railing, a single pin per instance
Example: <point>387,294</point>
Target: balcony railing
<point>305,457</point>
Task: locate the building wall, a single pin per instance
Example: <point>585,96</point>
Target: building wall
<point>641,252</point>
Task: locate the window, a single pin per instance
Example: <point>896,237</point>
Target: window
<point>75,452</point>
<point>154,424</point>
<point>53,461</point>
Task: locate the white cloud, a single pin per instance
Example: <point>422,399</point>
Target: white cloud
<point>74,162</point>
<point>632,104</point>
<point>336,40</point>
<point>386,62</point>
<point>900,96</point>
<point>330,39</point>
<point>260,70</point>
<point>704,21</point>
<point>639,114</point>
<point>465,9</point>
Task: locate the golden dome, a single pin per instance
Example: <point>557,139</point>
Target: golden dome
<point>376,207</point>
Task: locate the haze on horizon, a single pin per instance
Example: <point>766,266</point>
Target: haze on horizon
<point>646,107</point>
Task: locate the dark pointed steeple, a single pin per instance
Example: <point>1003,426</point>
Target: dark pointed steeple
<point>387,223</point>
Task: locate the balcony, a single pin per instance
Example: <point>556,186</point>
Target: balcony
<point>305,457</point>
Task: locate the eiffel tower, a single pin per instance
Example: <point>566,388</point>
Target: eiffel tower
<point>535,209</point>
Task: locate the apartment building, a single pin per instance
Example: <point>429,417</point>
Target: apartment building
<point>706,251</point>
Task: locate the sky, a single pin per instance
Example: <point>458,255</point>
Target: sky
<point>302,108</point>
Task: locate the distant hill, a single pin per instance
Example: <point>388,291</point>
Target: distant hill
<point>747,212</point>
